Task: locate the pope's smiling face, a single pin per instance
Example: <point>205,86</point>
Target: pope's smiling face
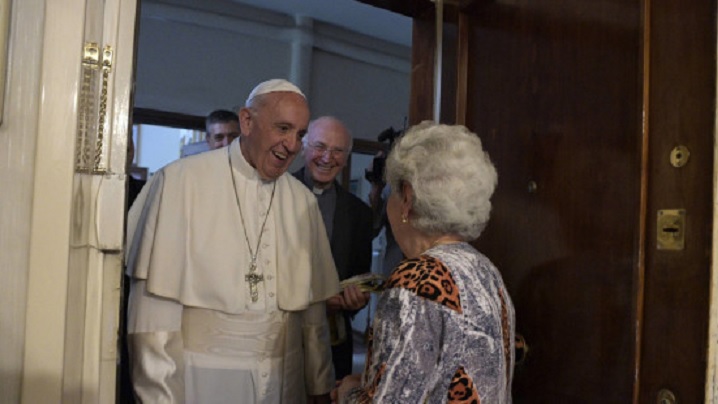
<point>272,130</point>
<point>325,150</point>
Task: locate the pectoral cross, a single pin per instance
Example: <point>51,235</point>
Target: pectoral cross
<point>253,278</point>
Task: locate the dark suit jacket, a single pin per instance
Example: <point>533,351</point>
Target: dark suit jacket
<point>351,245</point>
<point>352,233</point>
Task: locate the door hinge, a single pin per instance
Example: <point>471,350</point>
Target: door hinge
<point>90,153</point>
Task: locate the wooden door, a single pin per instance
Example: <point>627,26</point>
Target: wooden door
<point>556,95</point>
<point>580,104</point>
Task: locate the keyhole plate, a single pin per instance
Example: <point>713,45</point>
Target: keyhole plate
<point>671,229</point>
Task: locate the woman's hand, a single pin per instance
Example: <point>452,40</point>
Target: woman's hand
<point>343,386</point>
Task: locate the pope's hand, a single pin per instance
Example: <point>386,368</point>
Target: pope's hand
<point>351,298</point>
<point>354,299</point>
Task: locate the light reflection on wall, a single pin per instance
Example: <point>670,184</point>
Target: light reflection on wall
<point>157,146</point>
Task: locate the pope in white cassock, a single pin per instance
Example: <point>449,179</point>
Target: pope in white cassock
<point>230,268</point>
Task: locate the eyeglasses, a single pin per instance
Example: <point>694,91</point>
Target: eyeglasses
<point>321,148</point>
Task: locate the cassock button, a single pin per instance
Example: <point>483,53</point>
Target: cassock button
<point>271,294</point>
<point>269,277</point>
<point>265,245</point>
<point>264,374</point>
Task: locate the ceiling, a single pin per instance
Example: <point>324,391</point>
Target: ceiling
<point>350,14</point>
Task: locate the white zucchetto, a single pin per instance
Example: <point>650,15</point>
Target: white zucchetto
<point>273,86</point>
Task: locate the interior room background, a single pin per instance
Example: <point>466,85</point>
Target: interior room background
<point>195,57</point>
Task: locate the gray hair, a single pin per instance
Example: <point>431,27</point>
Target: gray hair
<point>330,119</point>
<point>451,175</point>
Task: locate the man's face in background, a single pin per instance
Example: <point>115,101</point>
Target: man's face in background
<point>220,134</point>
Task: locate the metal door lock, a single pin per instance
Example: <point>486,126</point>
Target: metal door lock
<point>679,156</point>
<point>671,229</point>
<point>666,396</point>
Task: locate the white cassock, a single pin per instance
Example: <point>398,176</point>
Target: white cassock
<point>194,332</point>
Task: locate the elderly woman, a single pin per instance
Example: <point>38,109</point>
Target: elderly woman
<point>444,326</point>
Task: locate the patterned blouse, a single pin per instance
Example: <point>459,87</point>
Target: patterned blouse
<point>443,333</point>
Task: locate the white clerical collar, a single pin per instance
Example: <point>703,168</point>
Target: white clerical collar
<point>310,183</point>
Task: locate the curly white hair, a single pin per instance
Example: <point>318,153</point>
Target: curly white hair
<point>451,175</point>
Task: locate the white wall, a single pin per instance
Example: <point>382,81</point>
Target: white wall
<point>160,146</point>
<point>18,142</point>
<point>193,61</point>
<point>367,97</point>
